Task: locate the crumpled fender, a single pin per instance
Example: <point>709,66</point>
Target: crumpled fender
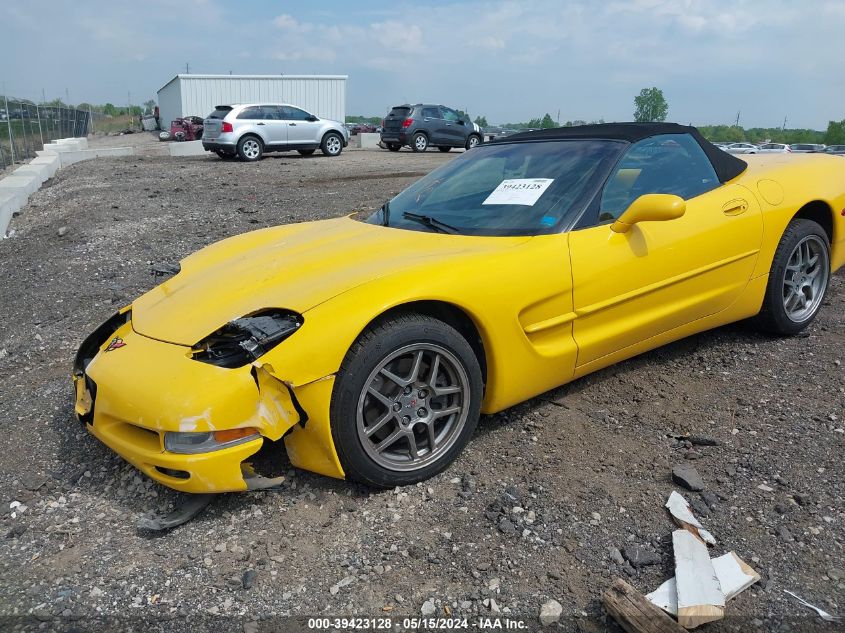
<point>277,407</point>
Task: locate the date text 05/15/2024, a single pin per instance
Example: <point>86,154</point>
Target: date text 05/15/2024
<point>419,623</point>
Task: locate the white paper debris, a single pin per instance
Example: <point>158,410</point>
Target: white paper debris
<point>680,509</point>
<point>524,191</point>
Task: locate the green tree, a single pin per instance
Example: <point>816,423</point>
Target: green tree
<point>547,122</point>
<point>835,134</point>
<point>149,106</point>
<point>650,106</point>
<point>481,121</point>
<point>109,109</point>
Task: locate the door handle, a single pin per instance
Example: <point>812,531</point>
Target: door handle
<point>735,207</point>
<point>292,124</point>
<point>260,123</point>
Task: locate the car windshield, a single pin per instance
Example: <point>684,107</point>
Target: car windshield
<point>527,188</point>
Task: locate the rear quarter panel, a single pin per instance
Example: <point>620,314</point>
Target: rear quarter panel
<point>784,184</point>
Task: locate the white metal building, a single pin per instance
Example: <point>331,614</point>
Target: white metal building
<point>196,95</point>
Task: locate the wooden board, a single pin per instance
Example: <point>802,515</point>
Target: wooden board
<point>700,597</point>
<point>734,578</point>
<point>634,612</point>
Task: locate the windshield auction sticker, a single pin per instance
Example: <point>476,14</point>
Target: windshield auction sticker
<point>525,191</point>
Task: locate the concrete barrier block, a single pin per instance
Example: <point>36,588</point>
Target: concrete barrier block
<point>10,201</point>
<point>74,156</point>
<point>187,148</point>
<point>369,140</point>
<point>45,152</point>
<point>39,172</point>
<point>114,151</point>
<point>57,148</point>
<point>20,184</point>
<point>75,143</point>
<point>51,162</point>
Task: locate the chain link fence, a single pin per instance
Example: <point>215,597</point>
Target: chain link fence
<point>25,127</point>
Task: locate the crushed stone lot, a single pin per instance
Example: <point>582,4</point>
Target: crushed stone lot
<point>552,499</point>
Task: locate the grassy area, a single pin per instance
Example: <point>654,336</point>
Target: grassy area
<point>107,125</point>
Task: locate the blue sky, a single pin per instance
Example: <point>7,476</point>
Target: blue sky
<point>507,60</point>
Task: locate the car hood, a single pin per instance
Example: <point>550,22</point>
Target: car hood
<point>295,267</point>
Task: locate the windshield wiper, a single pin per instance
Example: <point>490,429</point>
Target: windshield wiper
<point>430,222</point>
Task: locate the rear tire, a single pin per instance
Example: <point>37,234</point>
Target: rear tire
<point>419,143</point>
<point>394,147</point>
<point>250,148</point>
<point>306,152</point>
<point>472,141</point>
<point>444,148</point>
<point>798,279</point>
<point>332,144</point>
<point>224,155</point>
<point>370,406</point>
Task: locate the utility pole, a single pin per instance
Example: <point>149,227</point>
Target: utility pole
<point>784,124</point>
<point>738,112</point>
<point>187,68</point>
<point>43,97</point>
<point>558,117</point>
<point>67,97</point>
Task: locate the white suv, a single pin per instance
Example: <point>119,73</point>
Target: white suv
<point>250,130</point>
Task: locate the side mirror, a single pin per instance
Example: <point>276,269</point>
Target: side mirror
<point>651,207</point>
<point>312,118</point>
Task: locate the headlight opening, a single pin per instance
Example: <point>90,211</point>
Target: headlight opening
<point>244,340</point>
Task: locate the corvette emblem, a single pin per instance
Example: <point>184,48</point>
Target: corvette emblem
<point>116,343</point>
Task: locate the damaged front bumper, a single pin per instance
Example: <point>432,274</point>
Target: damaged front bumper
<point>132,390</point>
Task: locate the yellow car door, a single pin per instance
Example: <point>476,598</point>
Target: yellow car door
<point>631,286</point>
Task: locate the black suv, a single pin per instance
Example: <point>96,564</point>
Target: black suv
<point>423,124</point>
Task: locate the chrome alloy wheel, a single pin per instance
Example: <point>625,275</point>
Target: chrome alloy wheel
<point>805,279</point>
<point>473,141</point>
<point>413,407</point>
<point>420,143</point>
<point>333,145</point>
<point>251,149</point>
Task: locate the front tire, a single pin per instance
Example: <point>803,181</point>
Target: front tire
<point>332,144</point>
<point>250,148</point>
<point>798,279</point>
<point>406,402</point>
<point>394,147</point>
<point>444,148</point>
<point>419,142</point>
<point>306,152</point>
<point>472,141</point>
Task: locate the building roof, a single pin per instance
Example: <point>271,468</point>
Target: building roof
<point>727,166</point>
<point>197,76</point>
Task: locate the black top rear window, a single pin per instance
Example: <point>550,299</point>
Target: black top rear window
<point>399,111</point>
<point>220,112</point>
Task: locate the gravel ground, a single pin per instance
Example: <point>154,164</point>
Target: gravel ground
<point>538,508</point>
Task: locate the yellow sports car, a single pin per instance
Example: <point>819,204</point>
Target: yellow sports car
<point>368,349</point>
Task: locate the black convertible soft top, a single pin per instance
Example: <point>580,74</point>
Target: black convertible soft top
<point>727,166</point>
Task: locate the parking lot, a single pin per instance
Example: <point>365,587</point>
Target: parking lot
<point>589,463</point>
